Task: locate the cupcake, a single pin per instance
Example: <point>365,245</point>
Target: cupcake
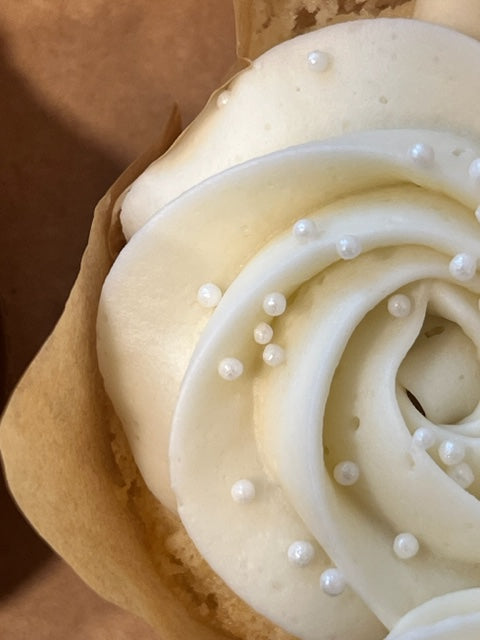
<point>289,342</point>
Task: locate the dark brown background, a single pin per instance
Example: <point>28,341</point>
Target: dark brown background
<point>85,88</point>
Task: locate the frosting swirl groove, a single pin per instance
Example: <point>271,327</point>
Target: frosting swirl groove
<point>325,413</point>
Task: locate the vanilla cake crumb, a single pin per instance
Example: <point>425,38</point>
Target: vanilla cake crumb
<point>277,20</point>
<point>204,595</point>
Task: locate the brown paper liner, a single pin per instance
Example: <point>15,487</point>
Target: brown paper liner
<point>59,442</point>
<point>56,444</point>
<point>57,432</point>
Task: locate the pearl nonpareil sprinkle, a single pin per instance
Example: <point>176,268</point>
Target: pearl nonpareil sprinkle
<point>230,368</point>
<point>243,491</point>
<point>463,267</point>
<point>209,295</point>
<point>301,553</point>
<point>422,154</point>
<point>346,473</point>
<point>399,305</point>
<point>348,247</point>
<point>474,171</point>
<point>332,582</point>
<point>318,60</point>
<point>263,333</point>
<point>273,355</point>
<point>462,474</point>
<point>274,304</point>
<point>424,437</point>
<point>405,546</point>
<point>304,230</point>
<point>451,452</point>
<point>223,98</point>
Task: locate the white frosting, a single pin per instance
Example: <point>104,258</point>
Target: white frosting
<point>382,73</point>
<point>455,616</point>
<point>254,448</point>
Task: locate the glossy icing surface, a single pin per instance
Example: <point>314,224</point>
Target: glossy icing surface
<point>381,73</point>
<point>334,454</point>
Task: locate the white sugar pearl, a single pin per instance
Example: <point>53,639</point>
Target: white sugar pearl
<point>223,98</point>
<point>263,333</point>
<point>463,266</point>
<point>230,368</point>
<point>273,355</point>
<point>209,295</point>
<point>301,553</point>
<point>477,213</point>
<point>346,473</point>
<point>348,247</point>
<point>474,171</point>
<point>451,452</point>
<point>318,60</point>
<point>243,491</point>
<point>462,474</point>
<point>405,546</point>
<point>424,437</point>
<point>399,305</point>
<point>422,154</point>
<point>274,304</point>
<point>332,582</point>
<point>304,230</point>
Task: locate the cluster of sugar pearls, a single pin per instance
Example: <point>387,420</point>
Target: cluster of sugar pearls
<point>346,473</point>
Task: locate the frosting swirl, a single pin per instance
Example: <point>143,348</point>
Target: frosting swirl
<point>324,415</point>
<point>339,395</point>
<point>455,615</point>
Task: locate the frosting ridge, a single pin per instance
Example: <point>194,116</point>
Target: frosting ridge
<point>321,414</point>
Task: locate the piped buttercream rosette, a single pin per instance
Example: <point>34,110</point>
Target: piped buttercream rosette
<point>324,438</point>
<point>291,342</point>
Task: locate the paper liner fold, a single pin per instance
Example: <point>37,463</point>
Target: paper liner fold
<point>56,433</point>
<point>55,439</point>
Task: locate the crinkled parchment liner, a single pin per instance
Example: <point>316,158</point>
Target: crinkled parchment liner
<point>65,456</point>
<point>64,452</point>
